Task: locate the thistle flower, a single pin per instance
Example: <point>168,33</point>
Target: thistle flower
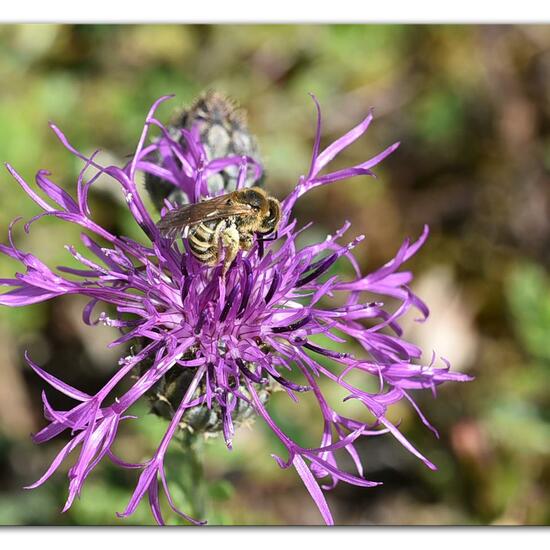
<point>235,337</point>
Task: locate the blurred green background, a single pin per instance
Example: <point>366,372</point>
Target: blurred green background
<point>471,106</point>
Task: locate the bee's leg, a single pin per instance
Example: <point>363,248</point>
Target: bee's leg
<point>274,236</point>
<point>247,240</point>
<point>230,239</point>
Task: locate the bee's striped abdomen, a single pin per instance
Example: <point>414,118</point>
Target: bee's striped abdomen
<point>201,242</point>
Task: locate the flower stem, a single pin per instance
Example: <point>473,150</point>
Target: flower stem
<point>191,480</point>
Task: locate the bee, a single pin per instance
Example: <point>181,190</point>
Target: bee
<point>227,222</point>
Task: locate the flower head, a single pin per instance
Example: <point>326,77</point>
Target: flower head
<point>232,338</point>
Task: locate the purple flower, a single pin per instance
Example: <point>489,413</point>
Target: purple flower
<point>236,336</point>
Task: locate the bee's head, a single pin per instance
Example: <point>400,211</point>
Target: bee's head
<point>266,210</point>
<point>271,219</point>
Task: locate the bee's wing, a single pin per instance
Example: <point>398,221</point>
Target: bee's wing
<point>176,221</point>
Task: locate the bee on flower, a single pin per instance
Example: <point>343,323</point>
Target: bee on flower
<point>219,311</point>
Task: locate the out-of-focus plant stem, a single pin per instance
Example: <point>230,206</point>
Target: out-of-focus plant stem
<point>191,469</point>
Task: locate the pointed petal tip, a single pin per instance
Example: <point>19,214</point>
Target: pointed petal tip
<point>369,118</point>
<point>69,503</point>
<point>314,97</point>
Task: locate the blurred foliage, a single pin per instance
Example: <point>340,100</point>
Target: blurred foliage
<point>471,106</point>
